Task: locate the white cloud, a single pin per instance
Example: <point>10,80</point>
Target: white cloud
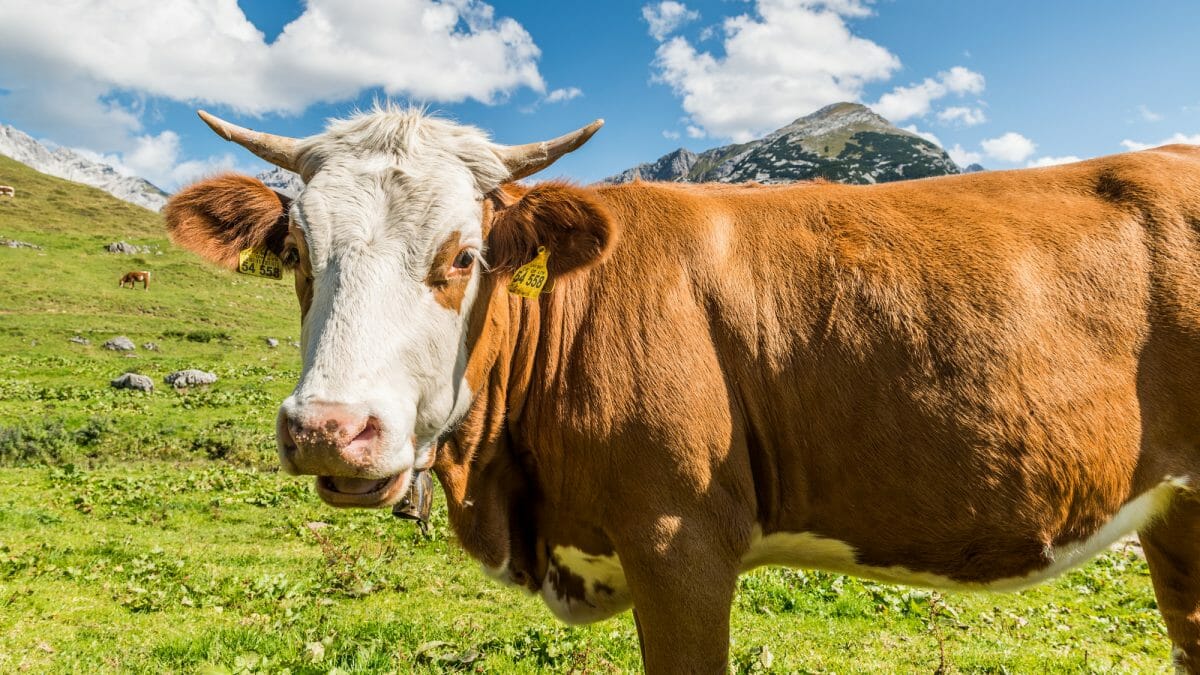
<point>666,17</point>
<point>1177,138</point>
<point>80,72</point>
<point>962,156</point>
<point>962,115</point>
<point>786,59</point>
<point>1148,115</point>
<point>912,128</point>
<point>1053,161</point>
<point>1011,147</point>
<point>914,100</point>
<point>157,159</point>
<point>670,135</point>
<point>695,131</point>
<point>561,95</point>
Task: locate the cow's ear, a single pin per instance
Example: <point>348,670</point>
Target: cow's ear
<point>574,227</point>
<point>221,216</point>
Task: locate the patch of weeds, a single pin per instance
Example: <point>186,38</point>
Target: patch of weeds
<point>95,430</point>
<point>45,443</point>
<point>558,650</point>
<point>353,573</point>
<point>206,336</point>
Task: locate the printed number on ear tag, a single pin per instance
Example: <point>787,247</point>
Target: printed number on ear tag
<point>259,261</point>
<point>529,278</point>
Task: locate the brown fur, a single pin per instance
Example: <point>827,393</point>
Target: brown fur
<point>949,375</point>
<point>221,216</point>
<point>132,278</point>
<point>569,221</point>
<point>448,284</point>
<point>8,191</point>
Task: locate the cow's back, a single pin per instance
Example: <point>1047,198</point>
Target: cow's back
<point>955,375</point>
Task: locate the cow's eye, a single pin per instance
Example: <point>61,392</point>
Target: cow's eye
<point>290,257</point>
<point>464,259</point>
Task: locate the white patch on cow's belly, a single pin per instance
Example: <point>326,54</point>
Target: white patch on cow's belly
<point>805,549</point>
<point>600,578</point>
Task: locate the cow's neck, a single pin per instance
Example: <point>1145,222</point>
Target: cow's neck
<point>488,493</point>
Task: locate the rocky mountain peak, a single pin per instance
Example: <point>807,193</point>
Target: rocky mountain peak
<point>70,165</point>
<point>843,142</point>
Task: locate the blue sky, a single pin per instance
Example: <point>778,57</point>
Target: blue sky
<point>1005,84</point>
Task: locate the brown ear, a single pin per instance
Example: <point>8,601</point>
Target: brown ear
<point>218,217</point>
<point>570,222</point>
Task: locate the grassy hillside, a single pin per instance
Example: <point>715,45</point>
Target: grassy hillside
<point>198,315</point>
<point>151,532</point>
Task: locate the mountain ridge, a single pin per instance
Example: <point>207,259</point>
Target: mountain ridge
<point>70,165</point>
<point>842,142</point>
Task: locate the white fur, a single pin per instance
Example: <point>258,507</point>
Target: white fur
<point>805,549</point>
<point>596,571</point>
<point>384,191</point>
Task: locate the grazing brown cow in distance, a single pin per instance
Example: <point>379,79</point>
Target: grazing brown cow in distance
<point>132,278</point>
<point>8,191</point>
<point>971,382</point>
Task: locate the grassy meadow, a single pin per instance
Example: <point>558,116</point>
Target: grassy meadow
<point>151,532</point>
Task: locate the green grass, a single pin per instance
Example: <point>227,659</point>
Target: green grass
<point>152,533</point>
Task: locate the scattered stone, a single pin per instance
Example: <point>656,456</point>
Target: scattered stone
<point>133,381</point>
<point>120,344</point>
<point>128,248</point>
<point>272,342</point>
<point>13,243</point>
<point>33,343</point>
<point>296,345</point>
<point>190,378</point>
<point>316,525</point>
<point>150,346</point>
<point>80,340</point>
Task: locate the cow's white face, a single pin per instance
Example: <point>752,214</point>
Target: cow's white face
<point>388,242</point>
<point>392,260</point>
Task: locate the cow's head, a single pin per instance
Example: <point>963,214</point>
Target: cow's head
<point>401,219</point>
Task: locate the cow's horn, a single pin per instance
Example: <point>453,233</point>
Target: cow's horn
<point>278,150</point>
<point>530,158</point>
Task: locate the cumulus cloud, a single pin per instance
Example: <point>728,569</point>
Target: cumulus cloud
<point>1053,161</point>
<point>561,95</point>
<point>670,135</point>
<point>1011,147</point>
<point>665,18</point>
<point>914,100</point>
<point>912,128</point>
<point>157,159</point>
<point>962,156</point>
<point>1176,138</point>
<point>961,115</point>
<point>784,59</point>
<point>80,72</point>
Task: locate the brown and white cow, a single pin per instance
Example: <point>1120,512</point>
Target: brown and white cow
<point>132,278</point>
<point>7,191</point>
<point>969,382</point>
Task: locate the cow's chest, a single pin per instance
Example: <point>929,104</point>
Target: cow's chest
<point>581,587</point>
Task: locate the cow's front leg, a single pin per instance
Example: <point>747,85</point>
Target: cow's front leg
<point>1172,548</point>
<point>682,591</point>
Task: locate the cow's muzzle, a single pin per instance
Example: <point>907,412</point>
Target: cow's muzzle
<point>349,453</point>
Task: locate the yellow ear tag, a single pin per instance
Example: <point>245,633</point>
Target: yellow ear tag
<point>529,278</point>
<point>259,261</point>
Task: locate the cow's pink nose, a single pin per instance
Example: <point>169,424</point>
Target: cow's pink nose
<point>328,439</point>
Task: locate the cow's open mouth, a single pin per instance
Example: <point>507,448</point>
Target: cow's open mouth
<point>362,492</point>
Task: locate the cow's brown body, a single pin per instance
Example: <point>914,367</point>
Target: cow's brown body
<point>953,377</point>
<point>972,381</point>
<point>7,191</point>
<point>132,278</point>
